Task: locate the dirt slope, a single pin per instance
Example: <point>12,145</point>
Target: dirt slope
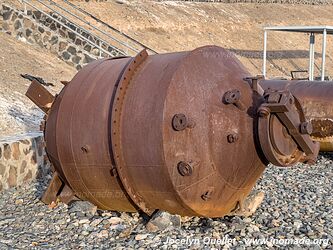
<point>173,26</point>
<point>17,113</point>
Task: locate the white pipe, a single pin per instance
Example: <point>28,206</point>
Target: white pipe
<point>323,61</point>
<point>264,54</point>
<point>311,57</point>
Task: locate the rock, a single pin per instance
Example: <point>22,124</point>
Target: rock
<point>7,152</point>
<point>19,202</point>
<point>125,233</point>
<point>71,50</point>
<point>62,46</point>
<point>115,220</point>
<point>17,25</point>
<point>297,224</point>
<point>84,207</point>
<point>162,220</point>
<point>249,205</point>
<point>2,169</point>
<point>12,178</point>
<point>84,221</point>
<point>103,234</point>
<point>16,150</point>
<point>96,222</point>
<point>141,236</point>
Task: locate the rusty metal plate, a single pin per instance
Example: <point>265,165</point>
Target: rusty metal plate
<point>40,96</point>
<point>83,135</point>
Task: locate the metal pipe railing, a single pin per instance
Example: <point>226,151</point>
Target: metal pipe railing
<point>95,45</point>
<point>95,28</point>
<point>41,2</point>
<point>109,26</point>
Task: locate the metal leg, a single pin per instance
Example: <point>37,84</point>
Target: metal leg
<point>265,54</point>
<point>311,57</point>
<point>323,60</point>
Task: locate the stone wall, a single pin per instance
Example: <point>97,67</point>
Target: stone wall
<point>22,159</point>
<point>35,27</point>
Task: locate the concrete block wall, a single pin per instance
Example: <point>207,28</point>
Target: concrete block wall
<point>36,28</point>
<point>22,159</point>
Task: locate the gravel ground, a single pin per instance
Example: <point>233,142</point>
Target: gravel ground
<point>297,206</point>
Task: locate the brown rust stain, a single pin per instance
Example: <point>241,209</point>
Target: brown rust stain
<point>322,128</point>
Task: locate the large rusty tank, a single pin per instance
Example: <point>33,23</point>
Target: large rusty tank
<point>188,132</point>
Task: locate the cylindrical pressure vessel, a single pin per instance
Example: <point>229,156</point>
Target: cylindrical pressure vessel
<point>177,146</point>
<point>184,132</point>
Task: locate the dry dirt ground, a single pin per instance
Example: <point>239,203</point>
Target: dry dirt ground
<point>167,26</point>
<point>174,26</point>
<point>17,113</point>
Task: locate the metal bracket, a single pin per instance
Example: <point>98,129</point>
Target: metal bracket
<point>40,96</point>
<point>284,133</point>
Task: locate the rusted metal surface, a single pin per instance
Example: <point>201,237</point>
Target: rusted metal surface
<point>53,189</point>
<point>316,99</point>
<point>283,130</point>
<point>167,131</point>
<point>117,125</point>
<point>40,96</point>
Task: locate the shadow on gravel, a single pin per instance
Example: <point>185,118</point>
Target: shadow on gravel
<point>327,155</point>
<point>42,180</point>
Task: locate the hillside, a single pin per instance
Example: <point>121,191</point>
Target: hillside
<point>17,113</point>
<point>174,26</point>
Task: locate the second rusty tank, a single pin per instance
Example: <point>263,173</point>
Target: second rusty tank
<point>187,132</point>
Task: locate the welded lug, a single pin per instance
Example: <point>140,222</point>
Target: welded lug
<point>279,113</point>
<point>233,97</point>
<point>254,83</point>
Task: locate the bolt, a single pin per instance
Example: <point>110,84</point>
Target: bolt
<point>179,122</point>
<point>306,128</point>
<point>263,112</point>
<point>85,149</point>
<point>233,97</point>
<point>230,97</point>
<point>184,168</point>
<point>232,138</point>
<point>206,196</point>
